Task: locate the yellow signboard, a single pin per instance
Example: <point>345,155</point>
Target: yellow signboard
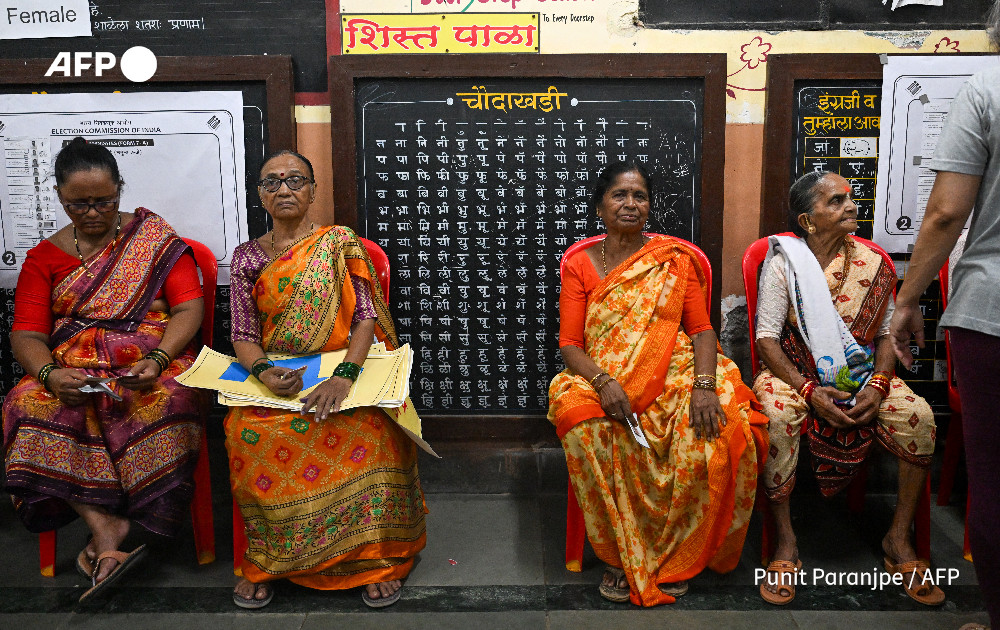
<point>439,33</point>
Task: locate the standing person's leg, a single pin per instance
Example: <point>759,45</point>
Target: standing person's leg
<point>976,358</point>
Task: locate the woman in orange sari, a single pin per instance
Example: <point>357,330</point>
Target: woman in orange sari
<point>638,345</point>
<point>330,499</point>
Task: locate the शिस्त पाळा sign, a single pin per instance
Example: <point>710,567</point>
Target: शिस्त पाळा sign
<point>32,19</point>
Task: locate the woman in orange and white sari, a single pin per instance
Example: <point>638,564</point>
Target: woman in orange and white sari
<point>638,345</point>
<point>331,499</point>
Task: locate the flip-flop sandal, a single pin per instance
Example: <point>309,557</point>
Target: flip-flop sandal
<point>614,593</point>
<point>786,587</point>
<point>126,562</point>
<point>83,565</point>
<point>380,602</point>
<point>252,603</point>
<point>913,573</point>
<point>674,589</point>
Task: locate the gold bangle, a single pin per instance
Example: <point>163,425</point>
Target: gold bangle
<point>606,381</point>
<point>597,376</point>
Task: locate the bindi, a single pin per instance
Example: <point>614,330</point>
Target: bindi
<point>281,174</point>
<point>847,189</point>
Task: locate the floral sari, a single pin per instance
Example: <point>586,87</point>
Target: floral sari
<point>664,513</point>
<point>329,504</point>
<point>133,457</point>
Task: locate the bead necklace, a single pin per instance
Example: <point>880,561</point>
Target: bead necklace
<point>114,242</point>
<point>275,252</point>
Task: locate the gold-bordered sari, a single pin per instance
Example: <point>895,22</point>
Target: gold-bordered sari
<point>329,504</point>
<point>667,512</point>
<point>133,457</point>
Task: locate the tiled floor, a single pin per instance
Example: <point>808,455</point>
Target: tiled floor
<point>492,561</point>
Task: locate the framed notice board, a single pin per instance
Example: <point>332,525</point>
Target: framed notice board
<point>474,174</point>
<point>266,85</point>
<point>822,112</point>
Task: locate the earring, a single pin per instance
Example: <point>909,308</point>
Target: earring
<point>812,230</point>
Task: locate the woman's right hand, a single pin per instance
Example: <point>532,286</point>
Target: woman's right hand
<point>824,405</point>
<point>614,401</point>
<point>65,384</point>
<point>272,379</point>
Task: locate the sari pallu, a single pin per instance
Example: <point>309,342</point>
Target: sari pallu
<point>133,457</point>
<point>664,513</point>
<point>328,504</point>
<point>861,301</point>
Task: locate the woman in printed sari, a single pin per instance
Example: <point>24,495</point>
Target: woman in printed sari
<point>114,295</point>
<point>830,362</point>
<point>636,338</point>
<point>331,499</point>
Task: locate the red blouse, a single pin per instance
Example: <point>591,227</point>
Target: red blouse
<point>46,265</point>
<point>580,277</point>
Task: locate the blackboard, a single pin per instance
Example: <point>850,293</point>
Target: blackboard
<point>266,84</point>
<point>222,27</point>
<point>812,14</point>
<point>476,179</point>
<point>823,112</point>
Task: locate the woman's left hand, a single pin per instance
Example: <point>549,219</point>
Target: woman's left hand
<point>143,374</point>
<point>327,396</point>
<point>706,416</point>
<point>866,404</point>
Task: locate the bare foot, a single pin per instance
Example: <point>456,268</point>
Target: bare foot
<point>609,580</point>
<point>248,590</point>
<point>382,589</point>
<point>898,548</point>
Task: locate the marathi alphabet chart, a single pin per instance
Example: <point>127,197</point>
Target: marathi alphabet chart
<point>475,188</point>
<point>837,130</point>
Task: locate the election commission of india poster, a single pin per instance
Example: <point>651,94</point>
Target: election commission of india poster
<point>917,92</point>
<point>180,154</point>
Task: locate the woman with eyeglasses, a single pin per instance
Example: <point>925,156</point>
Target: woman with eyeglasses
<point>331,500</point>
<point>113,295</point>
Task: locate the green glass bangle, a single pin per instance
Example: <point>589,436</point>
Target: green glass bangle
<point>348,370</point>
<point>43,374</point>
<point>260,366</point>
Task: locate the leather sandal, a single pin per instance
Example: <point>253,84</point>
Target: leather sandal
<point>786,586</point>
<point>914,572</point>
<point>615,593</point>
<point>126,562</point>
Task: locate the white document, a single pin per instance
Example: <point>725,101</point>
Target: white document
<point>181,155</point>
<point>902,3</point>
<point>917,91</point>
<point>633,424</point>
<point>32,19</point>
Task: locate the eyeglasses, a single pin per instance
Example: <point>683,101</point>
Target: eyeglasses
<point>273,184</point>
<point>84,208</point>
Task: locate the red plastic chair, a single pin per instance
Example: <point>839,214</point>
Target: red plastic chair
<point>956,437</point>
<point>576,531</point>
<point>753,258</point>
<point>201,503</point>
<point>381,263</point>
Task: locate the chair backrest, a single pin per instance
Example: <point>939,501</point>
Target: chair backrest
<point>706,266</point>
<point>209,267</point>
<point>381,262</point>
<point>753,258</point>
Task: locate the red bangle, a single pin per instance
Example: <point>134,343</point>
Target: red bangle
<point>807,389</point>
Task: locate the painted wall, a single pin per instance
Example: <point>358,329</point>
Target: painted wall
<point>615,26</point>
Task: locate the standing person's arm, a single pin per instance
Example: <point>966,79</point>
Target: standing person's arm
<point>952,199</point>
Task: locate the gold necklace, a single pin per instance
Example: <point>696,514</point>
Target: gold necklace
<point>604,262</point>
<point>114,242</point>
<point>294,240</point>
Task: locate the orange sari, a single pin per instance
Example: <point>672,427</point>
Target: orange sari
<point>329,504</point>
<point>665,513</point>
